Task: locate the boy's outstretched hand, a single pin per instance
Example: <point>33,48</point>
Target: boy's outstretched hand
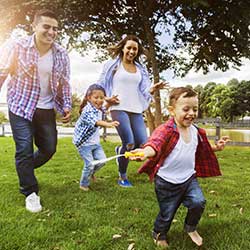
<point>145,153</point>
<point>221,143</point>
<point>137,158</point>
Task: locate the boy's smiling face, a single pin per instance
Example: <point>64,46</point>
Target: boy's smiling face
<point>185,110</point>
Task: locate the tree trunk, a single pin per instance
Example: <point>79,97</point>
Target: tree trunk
<point>157,119</point>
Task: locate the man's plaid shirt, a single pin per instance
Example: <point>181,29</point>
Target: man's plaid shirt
<point>19,59</point>
<point>164,139</point>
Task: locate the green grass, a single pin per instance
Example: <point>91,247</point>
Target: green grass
<point>72,219</point>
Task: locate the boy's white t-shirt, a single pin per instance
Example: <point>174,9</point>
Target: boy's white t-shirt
<point>126,85</point>
<point>45,64</point>
<point>179,166</point>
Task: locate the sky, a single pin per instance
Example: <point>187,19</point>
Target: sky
<point>85,72</point>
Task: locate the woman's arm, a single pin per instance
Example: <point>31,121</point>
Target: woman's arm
<point>158,86</point>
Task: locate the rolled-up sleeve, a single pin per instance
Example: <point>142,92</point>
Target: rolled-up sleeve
<point>65,83</point>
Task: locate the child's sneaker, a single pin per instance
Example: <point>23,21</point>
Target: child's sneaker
<point>118,152</point>
<point>161,243</point>
<point>84,188</point>
<point>32,203</point>
<point>124,183</point>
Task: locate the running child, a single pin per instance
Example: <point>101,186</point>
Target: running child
<point>178,152</point>
<point>86,134</point>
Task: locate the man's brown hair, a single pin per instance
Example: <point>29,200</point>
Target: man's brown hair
<point>46,13</point>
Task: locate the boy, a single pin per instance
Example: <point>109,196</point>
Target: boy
<point>178,152</point>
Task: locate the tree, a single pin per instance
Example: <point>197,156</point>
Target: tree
<point>212,32</point>
<point>2,118</point>
<point>241,97</point>
<point>205,98</point>
<point>199,90</point>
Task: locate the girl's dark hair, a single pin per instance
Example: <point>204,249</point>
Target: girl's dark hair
<point>89,92</point>
<point>177,92</point>
<point>116,50</point>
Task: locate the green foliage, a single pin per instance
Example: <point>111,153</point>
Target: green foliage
<point>230,101</point>
<point>212,32</point>
<point>72,219</point>
<point>75,108</point>
<point>2,118</point>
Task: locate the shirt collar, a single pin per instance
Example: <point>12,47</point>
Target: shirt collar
<point>31,44</point>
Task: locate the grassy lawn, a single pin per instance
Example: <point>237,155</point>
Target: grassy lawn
<point>73,219</point>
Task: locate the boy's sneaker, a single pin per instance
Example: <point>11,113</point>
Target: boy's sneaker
<point>161,243</point>
<point>84,188</point>
<point>124,183</point>
<point>32,203</point>
<point>118,152</point>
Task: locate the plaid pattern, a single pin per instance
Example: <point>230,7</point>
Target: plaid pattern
<point>19,61</point>
<point>164,139</point>
<point>85,126</point>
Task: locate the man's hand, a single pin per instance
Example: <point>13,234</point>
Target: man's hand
<point>66,116</point>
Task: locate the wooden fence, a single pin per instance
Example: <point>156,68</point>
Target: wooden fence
<point>218,124</point>
<point>214,122</point>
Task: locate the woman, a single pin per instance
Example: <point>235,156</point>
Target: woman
<point>127,82</point>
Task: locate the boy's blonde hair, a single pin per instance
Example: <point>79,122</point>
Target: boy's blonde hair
<point>177,92</point>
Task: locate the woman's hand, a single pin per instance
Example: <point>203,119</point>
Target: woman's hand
<point>158,86</point>
<point>113,100</point>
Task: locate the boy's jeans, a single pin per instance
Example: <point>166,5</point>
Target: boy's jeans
<point>133,134</point>
<point>170,196</point>
<point>90,153</point>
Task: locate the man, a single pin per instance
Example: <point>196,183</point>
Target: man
<point>38,70</point>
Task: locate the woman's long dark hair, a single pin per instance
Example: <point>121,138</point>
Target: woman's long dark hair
<point>89,92</point>
<point>116,50</point>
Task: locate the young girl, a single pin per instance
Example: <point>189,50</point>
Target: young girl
<point>178,152</point>
<point>86,134</point>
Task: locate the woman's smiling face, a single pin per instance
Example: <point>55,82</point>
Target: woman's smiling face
<point>130,51</point>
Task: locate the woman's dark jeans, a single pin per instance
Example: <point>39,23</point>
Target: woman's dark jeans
<point>43,131</point>
<point>170,197</point>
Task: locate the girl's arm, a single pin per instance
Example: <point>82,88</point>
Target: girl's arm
<point>102,123</point>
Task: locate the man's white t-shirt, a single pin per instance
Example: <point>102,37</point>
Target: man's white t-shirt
<point>45,64</point>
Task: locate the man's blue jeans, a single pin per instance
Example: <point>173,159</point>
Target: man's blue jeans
<point>90,153</point>
<point>133,134</point>
<point>170,197</point>
<point>42,130</point>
